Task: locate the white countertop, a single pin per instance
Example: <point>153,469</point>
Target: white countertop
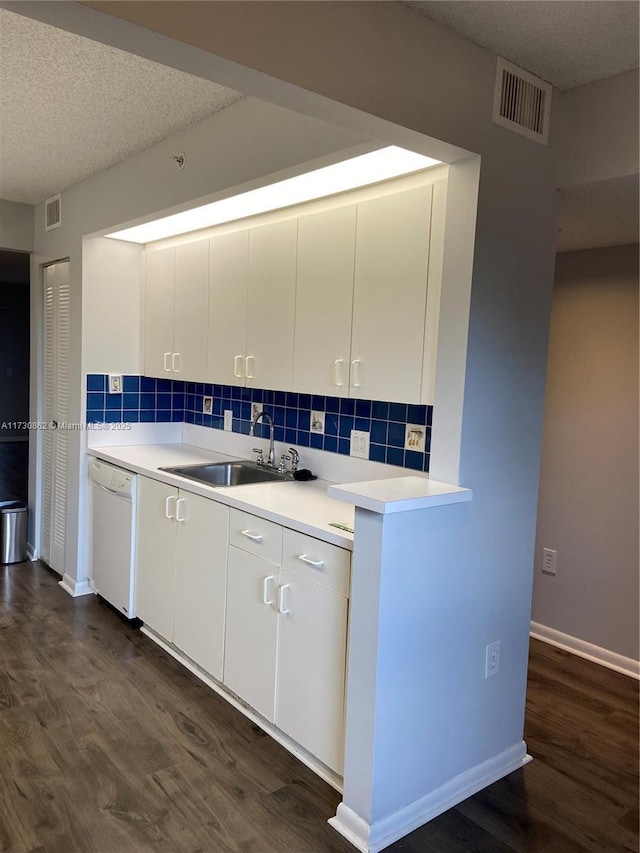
<point>399,494</point>
<point>302,506</point>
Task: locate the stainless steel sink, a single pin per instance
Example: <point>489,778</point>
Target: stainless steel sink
<point>242,473</point>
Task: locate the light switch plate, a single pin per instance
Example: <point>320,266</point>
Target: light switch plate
<point>207,405</point>
<point>115,383</point>
<point>317,422</point>
<point>359,444</point>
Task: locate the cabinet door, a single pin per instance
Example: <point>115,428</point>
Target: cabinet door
<point>324,295</point>
<point>159,307</point>
<point>251,630</point>
<point>191,311</point>
<point>312,642</point>
<point>201,579</point>
<point>155,556</point>
<point>389,300</point>
<point>228,277</point>
<point>271,305</point>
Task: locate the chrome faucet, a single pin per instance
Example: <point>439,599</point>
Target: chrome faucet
<point>271,458</point>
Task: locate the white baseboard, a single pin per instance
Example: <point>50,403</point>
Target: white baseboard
<point>612,660</point>
<point>75,588</point>
<point>371,838</point>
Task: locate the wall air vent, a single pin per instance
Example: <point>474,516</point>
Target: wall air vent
<point>522,102</point>
<point>53,212</point>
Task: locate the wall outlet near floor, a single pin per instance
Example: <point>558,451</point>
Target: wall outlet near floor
<point>115,383</point>
<point>492,659</point>
<point>228,420</point>
<point>359,444</point>
<point>549,561</point>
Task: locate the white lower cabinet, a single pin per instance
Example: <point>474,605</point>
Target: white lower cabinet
<point>286,632</point>
<point>251,630</point>
<point>181,568</point>
<point>261,608</point>
<point>312,640</point>
<point>155,556</point>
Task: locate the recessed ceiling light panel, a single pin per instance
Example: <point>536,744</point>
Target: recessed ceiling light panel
<point>380,165</point>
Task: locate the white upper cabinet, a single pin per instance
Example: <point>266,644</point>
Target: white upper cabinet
<point>271,305</point>
<point>324,295</point>
<point>189,361</point>
<point>389,299</point>
<point>159,308</point>
<point>228,282</point>
<point>343,301</point>
<point>176,311</point>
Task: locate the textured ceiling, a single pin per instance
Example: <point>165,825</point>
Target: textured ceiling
<point>70,107</point>
<point>567,44</point>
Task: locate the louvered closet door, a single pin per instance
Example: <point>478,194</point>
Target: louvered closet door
<point>55,410</point>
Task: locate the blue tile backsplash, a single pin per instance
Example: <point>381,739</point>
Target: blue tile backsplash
<point>146,400</point>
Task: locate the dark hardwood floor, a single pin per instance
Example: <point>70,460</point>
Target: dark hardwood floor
<point>107,745</point>
<point>14,461</point>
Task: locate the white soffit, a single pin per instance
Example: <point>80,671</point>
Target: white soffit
<point>568,43</point>
<point>87,105</point>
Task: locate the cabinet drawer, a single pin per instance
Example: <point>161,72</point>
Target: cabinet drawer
<point>255,535</point>
<point>318,561</point>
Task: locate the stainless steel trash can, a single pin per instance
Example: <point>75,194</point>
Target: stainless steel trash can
<point>13,532</point>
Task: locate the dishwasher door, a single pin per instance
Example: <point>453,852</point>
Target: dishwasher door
<point>113,512</point>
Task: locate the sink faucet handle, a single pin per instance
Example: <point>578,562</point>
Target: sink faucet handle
<point>260,457</point>
<point>295,459</point>
<point>282,467</point>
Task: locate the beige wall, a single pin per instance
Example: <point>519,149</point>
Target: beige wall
<point>16,226</point>
<point>588,505</point>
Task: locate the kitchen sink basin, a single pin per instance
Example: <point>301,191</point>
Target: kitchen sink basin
<point>242,473</point>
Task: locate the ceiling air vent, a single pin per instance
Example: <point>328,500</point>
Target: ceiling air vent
<point>53,212</point>
<point>522,102</point>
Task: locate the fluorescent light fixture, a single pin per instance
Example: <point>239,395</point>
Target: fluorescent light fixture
<point>380,165</point>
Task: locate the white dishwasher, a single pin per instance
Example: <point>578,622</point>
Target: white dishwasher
<point>113,525</point>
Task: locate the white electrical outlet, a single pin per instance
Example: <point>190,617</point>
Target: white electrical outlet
<point>256,408</point>
<point>115,383</point>
<point>207,405</point>
<point>414,437</point>
<point>492,659</point>
<point>549,561</point>
<point>359,444</point>
<point>317,422</point>
<point>228,420</point>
